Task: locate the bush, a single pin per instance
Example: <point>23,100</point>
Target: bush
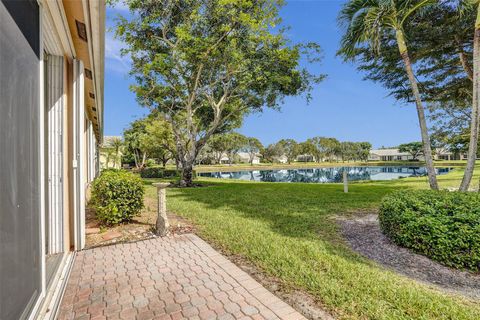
<point>152,172</point>
<point>117,196</point>
<point>160,172</point>
<point>444,226</point>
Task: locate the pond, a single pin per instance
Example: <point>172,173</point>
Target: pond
<point>325,175</point>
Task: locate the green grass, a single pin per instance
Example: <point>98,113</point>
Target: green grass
<point>289,231</point>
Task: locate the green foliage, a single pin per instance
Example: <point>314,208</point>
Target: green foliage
<point>440,41</point>
<point>228,144</point>
<point>152,172</point>
<point>117,196</point>
<point>290,149</point>
<point>325,147</point>
<point>272,152</point>
<point>253,147</point>
<point>150,137</point>
<point>444,226</point>
<point>161,173</point>
<point>414,148</point>
<point>207,64</point>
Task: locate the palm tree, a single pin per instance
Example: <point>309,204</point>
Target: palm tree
<point>368,21</point>
<point>116,144</point>
<point>472,149</point>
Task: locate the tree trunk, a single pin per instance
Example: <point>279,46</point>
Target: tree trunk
<point>463,58</point>
<point>427,149</point>
<point>135,157</point>
<point>187,174</point>
<point>472,148</point>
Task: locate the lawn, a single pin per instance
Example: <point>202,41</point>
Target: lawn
<point>289,231</point>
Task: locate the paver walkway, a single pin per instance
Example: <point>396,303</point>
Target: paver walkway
<point>178,277</point>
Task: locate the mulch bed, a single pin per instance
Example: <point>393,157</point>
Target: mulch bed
<point>140,228</point>
<point>364,236</point>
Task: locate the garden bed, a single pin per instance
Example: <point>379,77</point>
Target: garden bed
<point>364,236</point>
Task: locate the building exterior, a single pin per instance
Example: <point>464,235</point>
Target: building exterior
<point>51,121</point>
<point>393,154</point>
<point>389,155</point>
<point>108,156</point>
<point>241,157</point>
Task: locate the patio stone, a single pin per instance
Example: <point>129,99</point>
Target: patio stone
<point>175,277</point>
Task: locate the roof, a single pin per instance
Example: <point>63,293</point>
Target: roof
<point>388,152</point>
<point>67,17</point>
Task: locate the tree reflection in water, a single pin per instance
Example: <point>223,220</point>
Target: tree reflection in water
<point>325,175</point>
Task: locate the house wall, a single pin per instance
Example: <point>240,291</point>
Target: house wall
<point>27,93</point>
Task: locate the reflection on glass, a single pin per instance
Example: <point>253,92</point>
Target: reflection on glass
<point>325,175</point>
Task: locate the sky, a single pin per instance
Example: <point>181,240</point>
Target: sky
<point>344,106</point>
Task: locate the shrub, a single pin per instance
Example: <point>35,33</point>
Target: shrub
<point>152,172</point>
<point>444,226</point>
<point>117,196</point>
<point>160,172</point>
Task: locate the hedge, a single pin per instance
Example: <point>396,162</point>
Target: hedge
<point>117,196</point>
<point>442,225</point>
<point>160,172</point>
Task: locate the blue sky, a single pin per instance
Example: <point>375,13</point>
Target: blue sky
<point>344,106</point>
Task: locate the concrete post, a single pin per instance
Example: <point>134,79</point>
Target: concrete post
<point>162,224</point>
<point>345,180</point>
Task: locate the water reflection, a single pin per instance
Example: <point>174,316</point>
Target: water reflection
<point>325,175</point>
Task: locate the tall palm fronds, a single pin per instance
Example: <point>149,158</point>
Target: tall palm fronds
<point>466,6</point>
<point>367,22</point>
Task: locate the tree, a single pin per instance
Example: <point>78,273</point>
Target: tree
<point>205,64</point>
<point>253,147</point>
<point>325,147</point>
<point>158,139</point>
<point>363,150</point>
<point>150,137</point>
<point>415,149</point>
<point>319,150</point>
<point>134,138</point>
<point>235,143</point>
<point>109,153</point>
<point>272,152</point>
<point>367,23</point>
<point>218,145</point>
<point>347,150</point>
<point>307,148</point>
<point>475,115</point>
<point>116,144</point>
<point>290,149</point>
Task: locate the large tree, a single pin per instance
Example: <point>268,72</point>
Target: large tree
<point>158,139</point>
<point>253,147</point>
<point>475,114</point>
<point>205,64</point>
<point>367,23</point>
<point>325,148</point>
<point>134,138</point>
<point>235,143</point>
<point>290,148</point>
<point>415,149</point>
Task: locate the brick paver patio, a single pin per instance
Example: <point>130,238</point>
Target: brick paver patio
<point>178,277</point>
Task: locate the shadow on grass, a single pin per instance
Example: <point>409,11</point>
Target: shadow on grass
<point>295,210</point>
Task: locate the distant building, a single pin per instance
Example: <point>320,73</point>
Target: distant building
<point>390,155</point>
<point>394,154</point>
<point>241,157</point>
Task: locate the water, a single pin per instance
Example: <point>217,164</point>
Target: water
<point>325,175</point>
